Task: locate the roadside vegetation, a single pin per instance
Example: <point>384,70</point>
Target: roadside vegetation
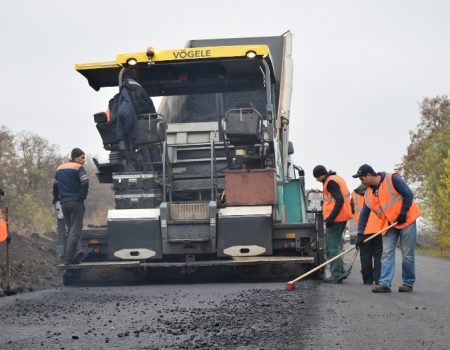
<point>427,164</point>
<point>434,251</point>
<point>27,168</point>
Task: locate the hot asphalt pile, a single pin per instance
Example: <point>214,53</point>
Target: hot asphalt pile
<point>33,262</point>
<point>162,317</point>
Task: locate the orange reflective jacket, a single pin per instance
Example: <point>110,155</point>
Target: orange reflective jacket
<point>3,231</point>
<point>329,202</point>
<point>374,223</point>
<point>389,202</point>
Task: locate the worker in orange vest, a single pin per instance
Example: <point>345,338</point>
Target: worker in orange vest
<point>336,212</point>
<point>370,253</point>
<point>390,198</point>
<point>4,237</point>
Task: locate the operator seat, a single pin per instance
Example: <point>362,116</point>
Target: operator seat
<point>242,125</point>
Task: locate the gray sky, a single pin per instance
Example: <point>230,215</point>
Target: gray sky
<point>360,67</point>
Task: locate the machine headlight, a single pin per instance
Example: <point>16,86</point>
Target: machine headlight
<point>251,54</point>
<point>131,61</point>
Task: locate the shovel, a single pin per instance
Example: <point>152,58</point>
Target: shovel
<point>291,284</point>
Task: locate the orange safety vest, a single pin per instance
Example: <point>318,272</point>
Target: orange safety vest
<point>3,230</point>
<point>329,202</point>
<point>389,202</point>
<point>374,223</point>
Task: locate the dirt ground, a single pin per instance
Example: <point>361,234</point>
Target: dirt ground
<point>33,262</point>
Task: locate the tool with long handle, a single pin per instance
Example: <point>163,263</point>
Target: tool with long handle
<point>291,284</point>
<point>353,260</point>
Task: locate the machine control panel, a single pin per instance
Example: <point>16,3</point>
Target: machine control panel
<point>315,201</point>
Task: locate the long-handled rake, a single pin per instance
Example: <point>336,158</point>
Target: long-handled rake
<point>291,284</point>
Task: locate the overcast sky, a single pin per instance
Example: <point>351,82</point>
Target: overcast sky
<point>361,68</point>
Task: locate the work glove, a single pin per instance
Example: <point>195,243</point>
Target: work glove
<point>329,222</point>
<point>359,240</point>
<point>401,219</point>
<point>58,209</point>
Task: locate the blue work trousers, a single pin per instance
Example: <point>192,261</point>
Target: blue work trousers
<point>407,237</point>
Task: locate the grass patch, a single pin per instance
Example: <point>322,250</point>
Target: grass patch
<point>434,251</point>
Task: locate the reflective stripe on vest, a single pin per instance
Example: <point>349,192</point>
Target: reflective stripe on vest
<point>390,188</point>
<point>369,205</point>
<point>331,199</point>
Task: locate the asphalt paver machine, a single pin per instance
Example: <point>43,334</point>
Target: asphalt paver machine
<point>221,191</point>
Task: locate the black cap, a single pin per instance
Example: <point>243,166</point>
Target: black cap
<point>319,170</point>
<point>364,170</point>
<point>76,152</point>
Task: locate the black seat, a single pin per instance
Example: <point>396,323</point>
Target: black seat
<point>243,124</point>
<point>151,129</point>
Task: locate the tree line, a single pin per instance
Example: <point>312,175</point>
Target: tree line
<point>27,168</point>
<point>427,164</point>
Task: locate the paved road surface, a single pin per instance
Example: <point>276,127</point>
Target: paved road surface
<point>235,315</point>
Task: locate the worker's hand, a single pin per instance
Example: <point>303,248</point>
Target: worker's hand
<point>401,219</point>
<point>58,210</point>
<point>329,222</point>
<point>359,240</point>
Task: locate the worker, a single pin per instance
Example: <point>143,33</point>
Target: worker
<point>390,198</point>
<point>370,252</point>
<point>132,101</point>
<point>336,212</point>
<point>3,225</point>
<point>142,103</point>
<point>71,187</point>
<point>4,237</point>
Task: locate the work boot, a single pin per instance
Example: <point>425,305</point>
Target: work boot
<point>337,279</point>
<point>343,276</point>
<point>405,288</point>
<point>379,288</point>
